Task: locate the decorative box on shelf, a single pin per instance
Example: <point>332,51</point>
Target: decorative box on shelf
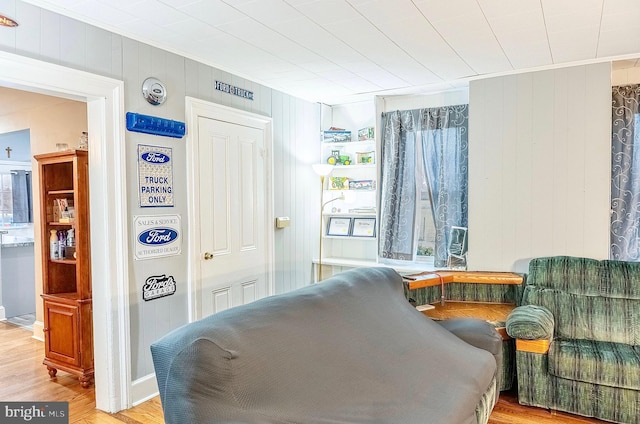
<point>336,136</point>
<point>365,134</point>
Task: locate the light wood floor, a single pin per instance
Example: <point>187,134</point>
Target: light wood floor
<point>24,378</point>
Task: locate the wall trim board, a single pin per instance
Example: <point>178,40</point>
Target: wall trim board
<point>143,389</point>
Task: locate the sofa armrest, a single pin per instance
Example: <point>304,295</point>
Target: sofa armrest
<point>530,322</point>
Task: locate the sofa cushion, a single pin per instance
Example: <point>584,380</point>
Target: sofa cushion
<point>604,319</point>
<point>620,279</point>
<point>603,363</point>
<point>568,274</point>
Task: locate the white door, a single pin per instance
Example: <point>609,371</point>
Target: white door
<point>233,264</point>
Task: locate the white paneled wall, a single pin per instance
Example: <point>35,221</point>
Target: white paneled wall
<point>539,166</point>
<point>296,189</point>
<point>626,76</point>
<point>57,39</point>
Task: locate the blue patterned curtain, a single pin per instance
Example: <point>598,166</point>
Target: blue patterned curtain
<point>398,188</point>
<point>445,146</point>
<point>441,135</point>
<point>625,173</point>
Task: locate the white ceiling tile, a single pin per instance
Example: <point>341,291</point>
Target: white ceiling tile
<point>270,12</point>
<point>213,12</point>
<point>504,8</point>
<point>177,4</point>
<point>112,15</point>
<point>621,41</point>
<point>450,9</point>
<point>194,29</point>
<point>567,7</point>
<point>327,12</point>
<point>155,13</point>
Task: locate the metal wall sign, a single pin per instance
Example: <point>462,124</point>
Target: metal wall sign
<point>157,236</point>
<point>232,89</point>
<point>7,22</point>
<point>157,286</point>
<point>155,176</point>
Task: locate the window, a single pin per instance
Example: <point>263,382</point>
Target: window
<point>425,226</point>
<point>423,183</point>
<point>16,207</point>
<point>6,202</point>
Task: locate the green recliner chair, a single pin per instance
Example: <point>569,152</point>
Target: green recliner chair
<point>578,338</point>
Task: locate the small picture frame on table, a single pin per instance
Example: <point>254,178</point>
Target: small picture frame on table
<point>338,226</point>
<point>363,227</point>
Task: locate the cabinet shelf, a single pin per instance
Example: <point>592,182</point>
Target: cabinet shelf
<point>64,261</point>
<point>354,166</point>
<point>58,192</point>
<point>368,142</point>
<point>60,224</point>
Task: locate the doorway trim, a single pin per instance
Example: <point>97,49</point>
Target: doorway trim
<point>194,109</point>
<point>107,184</point>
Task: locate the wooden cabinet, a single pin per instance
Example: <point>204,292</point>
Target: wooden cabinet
<point>68,326</point>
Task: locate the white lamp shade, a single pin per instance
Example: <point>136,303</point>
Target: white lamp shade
<point>322,169</point>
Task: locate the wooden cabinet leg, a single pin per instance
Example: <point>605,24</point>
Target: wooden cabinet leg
<point>52,371</point>
<point>85,381</point>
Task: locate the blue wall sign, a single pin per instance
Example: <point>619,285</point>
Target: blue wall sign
<point>157,236</point>
<point>155,176</point>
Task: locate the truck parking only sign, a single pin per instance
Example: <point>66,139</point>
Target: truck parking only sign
<point>155,176</point>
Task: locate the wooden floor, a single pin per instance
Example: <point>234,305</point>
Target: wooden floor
<point>24,378</point>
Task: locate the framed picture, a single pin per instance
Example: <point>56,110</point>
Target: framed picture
<point>458,242</point>
<point>338,226</point>
<point>364,227</point>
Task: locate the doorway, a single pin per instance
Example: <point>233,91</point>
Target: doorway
<point>110,258</point>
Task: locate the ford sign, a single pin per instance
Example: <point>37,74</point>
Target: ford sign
<point>155,157</point>
<point>157,236</point>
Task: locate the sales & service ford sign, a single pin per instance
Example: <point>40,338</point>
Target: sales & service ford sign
<point>155,157</point>
<point>157,236</point>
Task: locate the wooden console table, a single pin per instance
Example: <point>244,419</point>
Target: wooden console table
<point>428,279</point>
<point>496,313</point>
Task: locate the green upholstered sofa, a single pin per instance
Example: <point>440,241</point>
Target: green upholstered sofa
<point>578,337</point>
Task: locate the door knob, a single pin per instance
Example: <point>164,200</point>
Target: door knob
<point>208,256</point>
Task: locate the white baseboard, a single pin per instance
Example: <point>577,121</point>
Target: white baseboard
<point>144,389</point>
<point>38,330</point>
<point>3,315</point>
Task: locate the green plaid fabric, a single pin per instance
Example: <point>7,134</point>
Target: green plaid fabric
<point>537,387</point>
<point>611,364</point>
<point>530,322</point>
<point>593,364</point>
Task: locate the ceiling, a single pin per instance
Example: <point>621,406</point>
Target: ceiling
<point>336,51</point>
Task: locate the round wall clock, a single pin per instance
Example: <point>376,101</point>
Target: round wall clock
<point>154,91</point>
